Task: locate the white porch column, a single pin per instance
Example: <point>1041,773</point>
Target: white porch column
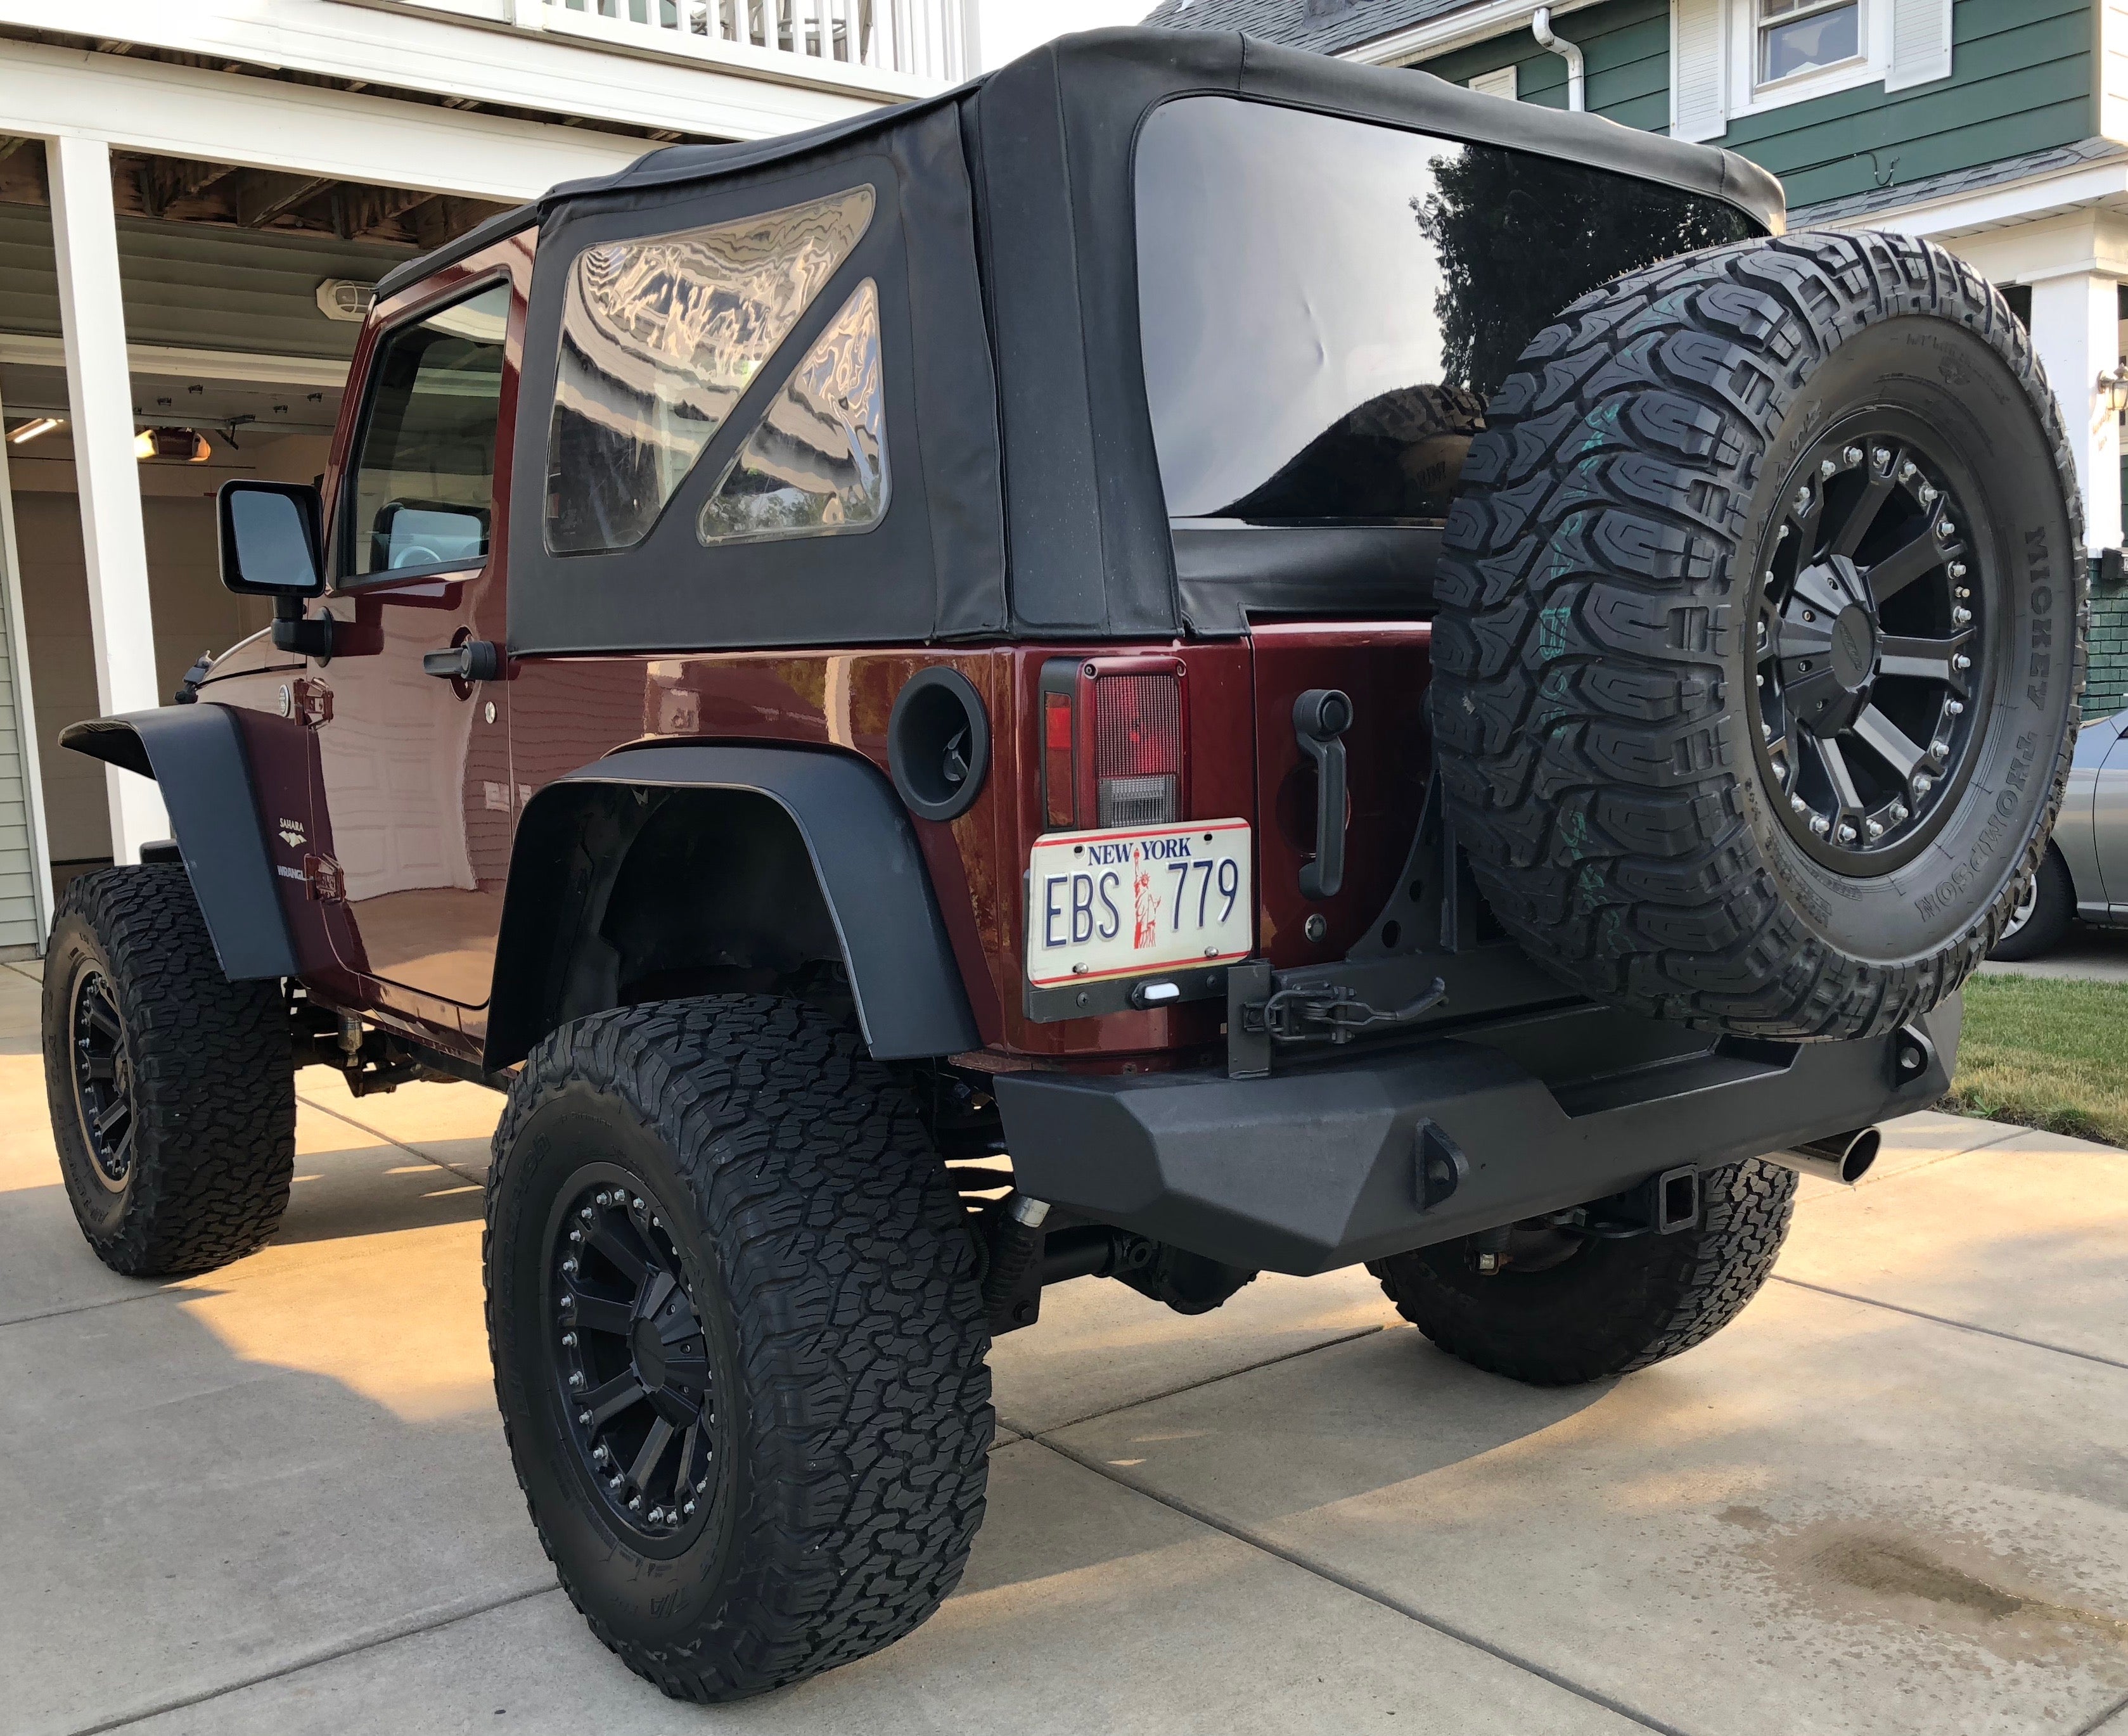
<point>100,399</point>
<point>2076,329</point>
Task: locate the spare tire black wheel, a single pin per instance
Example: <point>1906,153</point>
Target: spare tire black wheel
<point>1762,630</point>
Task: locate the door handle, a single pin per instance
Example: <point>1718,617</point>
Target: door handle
<point>474,660</point>
<point>1321,716</point>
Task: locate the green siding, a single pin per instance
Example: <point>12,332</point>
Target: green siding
<point>1626,47</point>
<point>2021,80</point>
<point>2107,690</point>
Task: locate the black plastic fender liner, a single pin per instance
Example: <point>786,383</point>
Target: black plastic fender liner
<point>196,754</point>
<point>1325,1166</point>
<point>904,978</point>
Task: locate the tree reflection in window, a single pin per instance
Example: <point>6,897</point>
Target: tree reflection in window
<point>1495,214</point>
<point>660,338</point>
<point>815,464</point>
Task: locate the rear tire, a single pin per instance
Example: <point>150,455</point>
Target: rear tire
<point>1607,1307</point>
<point>173,1090</point>
<point>1762,628</point>
<point>773,1264</point>
<point>2040,921</point>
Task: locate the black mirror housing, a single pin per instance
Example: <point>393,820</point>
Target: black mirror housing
<point>271,538</point>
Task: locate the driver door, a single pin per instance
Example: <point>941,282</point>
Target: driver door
<point>412,802</point>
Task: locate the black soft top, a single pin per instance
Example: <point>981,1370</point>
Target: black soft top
<point>1016,223</point>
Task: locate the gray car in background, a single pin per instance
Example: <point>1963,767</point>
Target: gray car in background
<point>2084,874</point>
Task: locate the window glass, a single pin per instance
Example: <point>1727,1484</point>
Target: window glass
<point>1326,304</point>
<point>425,485</point>
<point>659,339</point>
<point>815,464</point>
<point>1803,35</point>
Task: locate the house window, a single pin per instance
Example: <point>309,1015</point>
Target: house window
<point>1799,36</point>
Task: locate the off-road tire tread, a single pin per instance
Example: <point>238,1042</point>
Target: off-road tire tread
<point>1665,1294</point>
<point>862,1335</point>
<point>1588,750</point>
<point>214,1083</point>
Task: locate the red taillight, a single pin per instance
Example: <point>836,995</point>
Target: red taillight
<point>1138,748</point>
<point>1058,783</point>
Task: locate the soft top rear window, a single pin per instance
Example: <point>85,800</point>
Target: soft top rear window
<point>1325,304</point>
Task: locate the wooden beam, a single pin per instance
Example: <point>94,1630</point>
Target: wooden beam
<point>262,196</point>
<point>163,181</point>
<point>359,211</point>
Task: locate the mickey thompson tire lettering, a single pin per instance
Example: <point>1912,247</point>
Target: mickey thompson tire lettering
<point>1601,660</point>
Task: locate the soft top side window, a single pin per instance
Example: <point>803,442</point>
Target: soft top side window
<point>660,338</point>
<point>423,493</point>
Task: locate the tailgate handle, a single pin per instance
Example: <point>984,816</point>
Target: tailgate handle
<point>1321,716</point>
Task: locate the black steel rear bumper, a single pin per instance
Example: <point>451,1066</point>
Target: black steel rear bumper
<point>1322,1166</point>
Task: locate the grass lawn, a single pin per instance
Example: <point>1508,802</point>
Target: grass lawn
<point>2046,1052</point>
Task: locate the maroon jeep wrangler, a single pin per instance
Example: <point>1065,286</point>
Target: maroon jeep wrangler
<point>1185,661</point>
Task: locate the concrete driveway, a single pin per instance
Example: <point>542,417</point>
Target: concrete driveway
<point>1892,1497</point>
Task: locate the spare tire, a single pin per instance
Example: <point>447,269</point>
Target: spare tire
<point>1762,635</point>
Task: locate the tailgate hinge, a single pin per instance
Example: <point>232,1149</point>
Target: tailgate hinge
<point>323,881</point>
<point>313,702</point>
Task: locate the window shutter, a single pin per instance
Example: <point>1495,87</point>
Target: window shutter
<point>1698,88</point>
<point>1501,83</point>
<point>1921,43</point>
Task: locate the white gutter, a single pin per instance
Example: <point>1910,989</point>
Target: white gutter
<point>1577,84</point>
<point>1439,35</point>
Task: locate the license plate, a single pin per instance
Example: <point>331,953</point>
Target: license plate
<point>1137,898</point>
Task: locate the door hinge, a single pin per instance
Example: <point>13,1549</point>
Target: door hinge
<point>313,701</point>
<point>323,881</point>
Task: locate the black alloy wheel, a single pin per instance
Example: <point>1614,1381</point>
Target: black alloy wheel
<point>1872,627</point>
<point>629,1359</point>
<point>102,1079</point>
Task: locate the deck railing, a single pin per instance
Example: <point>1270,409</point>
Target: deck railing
<point>916,44</point>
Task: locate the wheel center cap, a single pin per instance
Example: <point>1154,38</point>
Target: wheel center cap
<point>649,1354</point>
<point>1854,650</point>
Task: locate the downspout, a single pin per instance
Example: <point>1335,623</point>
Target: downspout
<point>1577,88</point>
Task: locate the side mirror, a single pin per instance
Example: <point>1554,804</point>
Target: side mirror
<point>272,544</point>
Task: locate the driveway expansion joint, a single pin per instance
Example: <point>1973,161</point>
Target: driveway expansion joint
<point>325,1654</point>
<point>1944,1320</point>
<point>376,1133</point>
<point>1358,1588</point>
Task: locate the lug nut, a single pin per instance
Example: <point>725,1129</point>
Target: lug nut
<point>585,1213</point>
<point>1828,468</point>
<point>1802,500</point>
<point>583,1419</point>
<point>1961,661</point>
<point>1956,708</point>
<point>1928,495</point>
<point>1876,831</point>
<point>600,1456</point>
<point>1898,813</point>
<point>568,1340</point>
<point>635,1503</point>
<point>577,1381</point>
<point>1959,615</point>
<point>1820,825</point>
<point>1882,457</point>
<point>689,1508</point>
<point>569,1265</point>
<point>1845,834</point>
<point>637,1205</point>
<point>1946,528</point>
<point>1852,455</point>
<point>1958,569</point>
<point>1923,783</point>
<point>1906,470</point>
<point>575,1235</point>
<point>613,1485</point>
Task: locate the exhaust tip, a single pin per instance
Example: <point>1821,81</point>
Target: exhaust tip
<point>1861,1152</point>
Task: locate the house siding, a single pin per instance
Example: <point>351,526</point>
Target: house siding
<point>1625,47</point>
<point>2021,80</point>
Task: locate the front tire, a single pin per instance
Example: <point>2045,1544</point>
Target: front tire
<point>172,1089</point>
<point>738,1342</point>
<point>1583,1311</point>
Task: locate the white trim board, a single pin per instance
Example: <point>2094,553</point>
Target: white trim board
<point>264,123</point>
<point>167,362</point>
<point>1439,35</point>
<point>550,72</point>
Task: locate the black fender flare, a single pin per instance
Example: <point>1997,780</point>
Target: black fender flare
<point>904,977</point>
<point>196,754</point>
